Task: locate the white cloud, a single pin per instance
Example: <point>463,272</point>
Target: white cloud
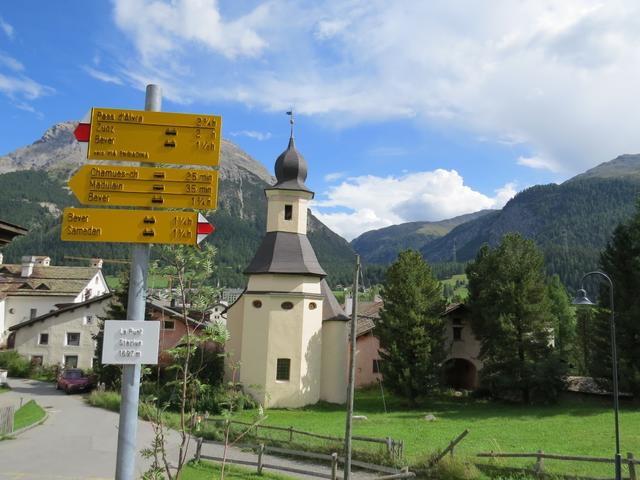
<point>102,76</point>
<point>7,28</point>
<point>539,163</point>
<point>159,27</point>
<point>559,77</point>
<point>376,202</point>
<point>23,87</point>
<point>260,136</point>
<point>10,63</point>
<point>332,177</point>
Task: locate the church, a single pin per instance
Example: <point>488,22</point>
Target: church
<point>289,335</point>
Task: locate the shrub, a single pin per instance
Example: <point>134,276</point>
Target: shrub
<point>15,364</point>
<point>107,400</point>
<point>451,468</point>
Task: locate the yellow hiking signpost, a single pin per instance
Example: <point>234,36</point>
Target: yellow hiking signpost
<point>134,226</point>
<point>154,137</point>
<point>145,187</point>
<point>144,136</point>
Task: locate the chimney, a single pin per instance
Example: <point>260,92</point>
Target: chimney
<point>96,263</point>
<point>28,263</point>
<point>172,304</point>
<point>43,261</point>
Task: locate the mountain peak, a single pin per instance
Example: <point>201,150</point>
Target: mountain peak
<point>622,166</point>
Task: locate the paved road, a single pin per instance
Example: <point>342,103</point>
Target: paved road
<point>79,442</point>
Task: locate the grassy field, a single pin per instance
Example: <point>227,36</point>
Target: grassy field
<point>206,471</point>
<point>28,414</point>
<point>567,428</point>
<point>462,292</point>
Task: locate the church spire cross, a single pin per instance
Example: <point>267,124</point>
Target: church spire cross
<point>291,120</point>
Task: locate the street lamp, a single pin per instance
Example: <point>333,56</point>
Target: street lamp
<point>582,299</point>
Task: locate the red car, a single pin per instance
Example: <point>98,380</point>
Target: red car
<point>73,380</point>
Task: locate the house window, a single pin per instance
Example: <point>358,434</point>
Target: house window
<point>286,305</point>
<point>44,339</point>
<point>70,361</point>
<point>36,360</point>
<point>73,339</point>
<point>33,313</point>
<point>283,369</point>
<point>169,325</point>
<point>87,320</point>
<point>313,306</point>
<point>376,365</point>
<point>257,304</point>
<point>457,329</point>
<point>288,212</point>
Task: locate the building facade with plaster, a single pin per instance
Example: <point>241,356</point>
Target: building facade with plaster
<point>288,332</point>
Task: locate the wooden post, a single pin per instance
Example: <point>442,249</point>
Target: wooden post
<point>389,446</point>
<point>632,467</point>
<point>539,468</point>
<point>198,449</point>
<point>290,434</point>
<point>260,453</point>
<point>334,466</point>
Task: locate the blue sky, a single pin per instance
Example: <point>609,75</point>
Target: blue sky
<point>405,110</point>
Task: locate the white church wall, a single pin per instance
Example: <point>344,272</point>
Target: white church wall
<point>299,201</point>
<point>334,361</point>
<point>283,283</point>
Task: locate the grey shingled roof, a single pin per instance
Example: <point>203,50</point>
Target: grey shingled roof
<point>55,313</point>
<point>331,309</point>
<point>285,252</point>
<point>8,231</point>
<point>45,281</point>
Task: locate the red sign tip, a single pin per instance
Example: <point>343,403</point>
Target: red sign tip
<point>82,132</point>
<point>205,229</point>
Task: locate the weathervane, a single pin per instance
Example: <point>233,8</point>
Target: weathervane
<point>291,121</point>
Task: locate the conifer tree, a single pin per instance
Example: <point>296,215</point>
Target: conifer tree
<point>564,328</point>
<point>512,317</point>
<point>411,328</point>
<point>621,261</point>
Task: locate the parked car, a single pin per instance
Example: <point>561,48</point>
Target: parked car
<point>73,380</point>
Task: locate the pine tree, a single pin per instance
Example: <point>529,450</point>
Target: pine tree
<point>621,261</point>
<point>512,318</point>
<point>564,328</point>
<point>411,328</point>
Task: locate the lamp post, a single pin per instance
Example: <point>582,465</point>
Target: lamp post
<point>582,299</point>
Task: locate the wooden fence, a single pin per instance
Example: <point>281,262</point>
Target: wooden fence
<point>395,448</point>
<point>540,456</point>
<point>334,461</point>
<point>6,420</point>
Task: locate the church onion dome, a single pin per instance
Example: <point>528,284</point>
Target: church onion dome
<point>285,252</point>
<point>291,169</point>
<point>331,309</point>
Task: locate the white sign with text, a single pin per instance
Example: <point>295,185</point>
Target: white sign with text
<point>129,342</point>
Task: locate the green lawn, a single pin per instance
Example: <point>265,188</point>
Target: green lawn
<point>28,414</point>
<point>207,470</point>
<point>154,281</point>
<point>462,292</point>
<point>569,428</point>
<point>4,388</point>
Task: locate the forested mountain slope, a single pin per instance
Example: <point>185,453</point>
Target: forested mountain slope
<point>33,192</point>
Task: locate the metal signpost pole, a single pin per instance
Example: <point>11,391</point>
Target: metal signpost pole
<point>352,373</point>
<point>130,392</point>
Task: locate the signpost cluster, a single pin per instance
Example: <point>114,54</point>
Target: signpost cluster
<point>152,138</point>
